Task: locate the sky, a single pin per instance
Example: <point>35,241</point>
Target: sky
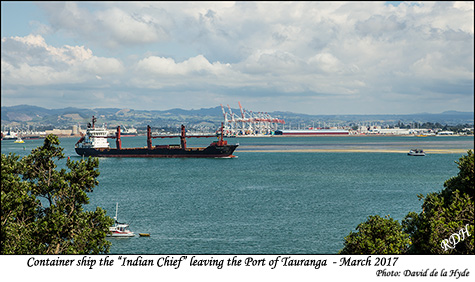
<point>318,58</point>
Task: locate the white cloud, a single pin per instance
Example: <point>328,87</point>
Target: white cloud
<point>327,63</point>
<point>168,66</point>
<point>111,26</point>
<point>365,51</point>
<point>126,28</point>
<point>31,61</point>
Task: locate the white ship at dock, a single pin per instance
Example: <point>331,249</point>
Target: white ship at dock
<point>125,132</point>
<point>313,132</point>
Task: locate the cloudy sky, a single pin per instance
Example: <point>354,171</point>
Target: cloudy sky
<point>305,57</point>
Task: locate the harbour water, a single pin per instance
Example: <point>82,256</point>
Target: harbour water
<point>282,195</point>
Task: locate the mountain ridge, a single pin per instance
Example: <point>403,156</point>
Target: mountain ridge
<point>34,115</point>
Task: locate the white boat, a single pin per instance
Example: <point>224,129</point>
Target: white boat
<point>19,140</point>
<point>416,152</point>
<point>119,229</point>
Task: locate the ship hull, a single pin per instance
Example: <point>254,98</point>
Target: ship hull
<point>160,152</point>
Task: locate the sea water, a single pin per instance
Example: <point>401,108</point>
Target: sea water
<point>277,197</point>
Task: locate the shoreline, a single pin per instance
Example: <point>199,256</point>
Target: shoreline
<point>349,135</point>
<point>26,137</point>
<point>429,151</point>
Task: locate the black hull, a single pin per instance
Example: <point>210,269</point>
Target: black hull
<point>225,151</point>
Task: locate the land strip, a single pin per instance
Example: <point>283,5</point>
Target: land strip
<point>430,151</point>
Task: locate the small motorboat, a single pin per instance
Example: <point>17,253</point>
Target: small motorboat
<point>19,140</point>
<point>119,229</point>
<point>416,152</point>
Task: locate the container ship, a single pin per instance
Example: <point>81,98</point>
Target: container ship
<point>94,143</point>
<point>312,132</point>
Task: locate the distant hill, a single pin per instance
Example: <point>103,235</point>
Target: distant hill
<point>23,115</point>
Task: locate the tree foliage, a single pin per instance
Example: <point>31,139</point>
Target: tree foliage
<point>42,206</point>
<point>377,235</point>
<point>443,213</point>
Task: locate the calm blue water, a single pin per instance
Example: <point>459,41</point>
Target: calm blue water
<point>264,202</point>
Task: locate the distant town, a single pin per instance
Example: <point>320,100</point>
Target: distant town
<point>419,130</point>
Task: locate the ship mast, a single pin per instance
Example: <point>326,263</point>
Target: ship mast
<point>116,209</point>
<point>149,137</point>
<point>183,137</point>
<point>118,142</point>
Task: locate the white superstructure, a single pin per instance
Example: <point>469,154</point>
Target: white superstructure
<point>95,137</point>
